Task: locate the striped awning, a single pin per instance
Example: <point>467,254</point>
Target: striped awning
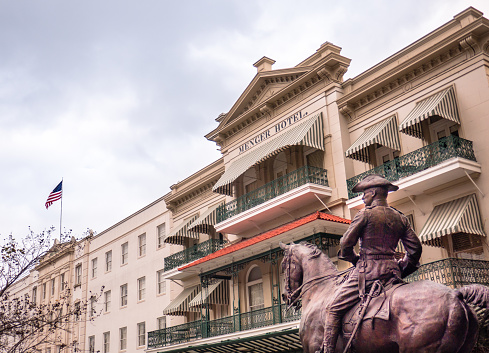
<point>306,133</point>
<point>181,304</point>
<point>205,223</point>
<point>442,104</point>
<point>384,133</point>
<point>458,216</point>
<point>216,293</point>
<point>180,232</point>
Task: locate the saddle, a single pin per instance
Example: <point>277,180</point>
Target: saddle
<point>379,308</point>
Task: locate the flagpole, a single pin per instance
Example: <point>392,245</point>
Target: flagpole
<point>61,213</point>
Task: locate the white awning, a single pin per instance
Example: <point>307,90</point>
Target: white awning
<point>216,293</point>
<point>177,235</point>
<point>384,133</point>
<point>443,104</point>
<point>181,304</point>
<point>458,216</point>
<point>205,223</point>
<point>307,133</point>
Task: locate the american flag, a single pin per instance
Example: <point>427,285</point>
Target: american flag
<point>55,195</point>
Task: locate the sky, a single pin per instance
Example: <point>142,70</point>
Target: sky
<point>115,96</point>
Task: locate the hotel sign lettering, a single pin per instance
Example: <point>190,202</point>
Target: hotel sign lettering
<point>281,125</point>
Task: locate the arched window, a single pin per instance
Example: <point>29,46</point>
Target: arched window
<point>255,289</point>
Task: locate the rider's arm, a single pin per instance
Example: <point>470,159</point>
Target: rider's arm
<point>351,236</point>
<point>413,247</point>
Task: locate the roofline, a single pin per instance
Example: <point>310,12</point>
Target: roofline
<point>267,235</point>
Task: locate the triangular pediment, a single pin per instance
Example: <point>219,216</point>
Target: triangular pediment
<point>263,86</point>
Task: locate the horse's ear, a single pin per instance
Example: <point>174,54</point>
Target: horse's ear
<point>283,246</point>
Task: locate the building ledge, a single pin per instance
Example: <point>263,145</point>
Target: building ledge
<point>435,176</point>
<point>278,206</point>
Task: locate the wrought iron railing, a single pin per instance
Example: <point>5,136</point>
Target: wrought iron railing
<point>453,272</point>
<point>240,322</point>
<point>195,252</point>
<point>419,160</point>
<point>277,187</point>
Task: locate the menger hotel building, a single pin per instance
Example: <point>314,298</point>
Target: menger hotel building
<point>199,270</point>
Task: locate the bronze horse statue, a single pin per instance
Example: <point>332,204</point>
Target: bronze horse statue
<point>425,317</point>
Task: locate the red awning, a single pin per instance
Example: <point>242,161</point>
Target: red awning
<point>267,235</point>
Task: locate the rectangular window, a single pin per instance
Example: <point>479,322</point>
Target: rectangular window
<point>161,322</point>
<point>107,297</point>
<point>34,295</point>
<point>92,306</point>
<point>124,295</point>
<point>77,311</point>
<point>91,344</point>
<point>44,290</point>
<point>94,268</point>
<point>62,283</point>
<point>141,334</point>
<point>142,245</point>
<point>123,338</point>
<point>78,275</point>
<point>161,235</point>
<point>124,253</point>
<point>108,261</point>
<point>52,286</point>
<point>106,342</point>
<point>48,350</point>
<point>141,288</point>
<point>161,282</point>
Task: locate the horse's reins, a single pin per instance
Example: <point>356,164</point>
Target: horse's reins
<point>317,278</point>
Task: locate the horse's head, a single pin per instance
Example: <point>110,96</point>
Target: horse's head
<point>292,268</point>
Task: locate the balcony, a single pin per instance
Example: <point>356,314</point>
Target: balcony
<point>446,159</point>
<point>191,254</point>
<point>292,190</point>
<point>453,272</point>
<point>204,329</point>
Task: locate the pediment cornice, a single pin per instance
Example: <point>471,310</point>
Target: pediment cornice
<point>272,89</point>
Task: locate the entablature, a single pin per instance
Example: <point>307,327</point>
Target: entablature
<point>194,186</point>
<point>415,61</point>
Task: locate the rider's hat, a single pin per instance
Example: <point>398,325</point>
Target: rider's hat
<point>374,180</point>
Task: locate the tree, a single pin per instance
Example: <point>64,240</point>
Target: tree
<point>27,321</point>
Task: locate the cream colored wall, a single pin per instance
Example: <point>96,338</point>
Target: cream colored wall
<point>147,310</point>
<point>468,75</point>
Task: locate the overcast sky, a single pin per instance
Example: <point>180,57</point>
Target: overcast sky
<point>115,96</point>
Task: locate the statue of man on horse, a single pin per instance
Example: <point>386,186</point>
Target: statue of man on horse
<point>378,228</point>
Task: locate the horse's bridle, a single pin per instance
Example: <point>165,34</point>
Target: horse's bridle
<point>303,285</point>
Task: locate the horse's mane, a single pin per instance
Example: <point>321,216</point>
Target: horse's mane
<point>316,252</point>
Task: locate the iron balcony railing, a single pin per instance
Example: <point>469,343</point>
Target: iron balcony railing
<point>419,160</point>
<point>203,329</point>
<point>453,272</point>
<point>277,187</point>
<point>191,254</point>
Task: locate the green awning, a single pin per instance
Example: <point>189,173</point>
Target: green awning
<point>442,104</point>
<point>205,223</point>
<point>181,304</point>
<point>384,133</point>
<point>177,235</point>
<point>458,216</point>
<point>306,133</point>
<point>215,293</point>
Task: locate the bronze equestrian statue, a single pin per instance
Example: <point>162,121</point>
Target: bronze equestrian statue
<point>379,228</point>
<point>424,316</point>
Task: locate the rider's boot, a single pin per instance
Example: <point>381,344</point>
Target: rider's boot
<point>331,333</point>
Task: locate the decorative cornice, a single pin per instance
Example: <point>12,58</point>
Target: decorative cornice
<point>471,45</point>
<point>348,107</point>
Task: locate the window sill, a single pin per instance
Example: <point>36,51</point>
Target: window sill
<point>123,307</point>
<point>125,264</point>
